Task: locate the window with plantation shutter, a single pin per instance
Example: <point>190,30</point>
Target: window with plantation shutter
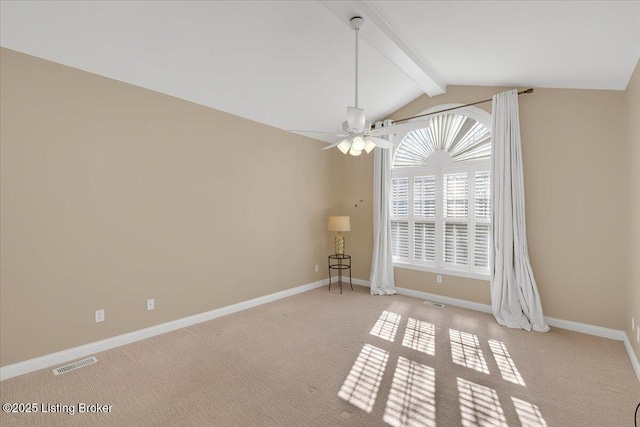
<point>441,197</point>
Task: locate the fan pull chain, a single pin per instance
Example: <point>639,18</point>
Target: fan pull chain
<point>359,190</point>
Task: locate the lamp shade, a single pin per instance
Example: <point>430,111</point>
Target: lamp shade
<point>339,223</point>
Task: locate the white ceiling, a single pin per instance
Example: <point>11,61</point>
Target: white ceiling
<point>291,64</point>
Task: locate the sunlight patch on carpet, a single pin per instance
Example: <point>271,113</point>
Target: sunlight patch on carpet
<point>528,413</point>
<point>506,365</point>
<point>479,405</point>
<point>362,384</point>
<point>420,336</point>
<point>465,351</point>
<point>386,326</point>
<point>412,399</point>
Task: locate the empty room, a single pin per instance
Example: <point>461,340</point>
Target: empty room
<point>319,213</point>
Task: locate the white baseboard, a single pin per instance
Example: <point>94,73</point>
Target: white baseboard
<point>598,331</point>
<point>345,281</point>
<point>360,282</point>
<point>632,356</point>
<point>64,356</point>
<point>445,300</point>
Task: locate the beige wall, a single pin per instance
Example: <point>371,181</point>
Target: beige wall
<point>113,194</point>
<point>633,114</point>
<point>574,148</point>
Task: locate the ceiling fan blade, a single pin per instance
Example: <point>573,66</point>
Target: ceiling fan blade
<point>388,130</point>
<point>315,132</point>
<point>330,146</point>
<point>382,143</point>
<point>356,119</point>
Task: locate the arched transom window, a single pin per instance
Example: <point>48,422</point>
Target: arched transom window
<point>440,195</point>
<point>462,137</point>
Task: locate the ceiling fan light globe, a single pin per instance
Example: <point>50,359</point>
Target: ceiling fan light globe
<point>358,143</point>
<point>344,146</point>
<point>355,152</point>
<point>369,145</point>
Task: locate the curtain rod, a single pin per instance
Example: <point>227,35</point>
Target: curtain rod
<point>530,90</point>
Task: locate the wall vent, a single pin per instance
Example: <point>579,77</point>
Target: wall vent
<point>75,365</point>
<point>437,304</point>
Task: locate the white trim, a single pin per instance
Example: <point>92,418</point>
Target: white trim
<point>632,356</point>
<point>360,282</point>
<point>598,331</point>
<point>445,300</point>
<point>345,282</point>
<point>443,271</point>
<point>64,356</point>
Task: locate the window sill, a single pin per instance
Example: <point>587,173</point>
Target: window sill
<point>443,271</point>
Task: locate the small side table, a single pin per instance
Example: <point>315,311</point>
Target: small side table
<point>339,262</point>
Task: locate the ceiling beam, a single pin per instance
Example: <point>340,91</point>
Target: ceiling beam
<point>379,34</point>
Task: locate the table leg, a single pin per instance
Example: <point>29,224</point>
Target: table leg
<point>340,273</point>
<point>350,282</point>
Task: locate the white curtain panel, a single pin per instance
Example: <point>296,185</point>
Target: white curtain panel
<point>514,294</point>
<point>381,279</point>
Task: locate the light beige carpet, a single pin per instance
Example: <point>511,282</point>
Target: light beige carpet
<point>321,358</point>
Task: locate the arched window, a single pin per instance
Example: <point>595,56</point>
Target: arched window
<point>440,194</point>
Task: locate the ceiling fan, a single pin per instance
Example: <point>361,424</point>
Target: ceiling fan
<point>357,133</point>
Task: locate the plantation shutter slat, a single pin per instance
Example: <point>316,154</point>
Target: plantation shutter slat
<point>456,234</point>
<point>424,196</point>
<point>400,239</point>
<point>482,245</point>
<point>483,195</point>
<point>456,250</point>
<point>399,197</point>
<point>424,238</point>
<point>456,195</point>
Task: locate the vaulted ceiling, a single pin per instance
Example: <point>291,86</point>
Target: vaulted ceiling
<point>291,64</point>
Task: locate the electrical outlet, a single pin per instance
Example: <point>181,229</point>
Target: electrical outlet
<point>439,278</point>
<point>317,268</point>
<point>99,315</point>
<point>151,304</point>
